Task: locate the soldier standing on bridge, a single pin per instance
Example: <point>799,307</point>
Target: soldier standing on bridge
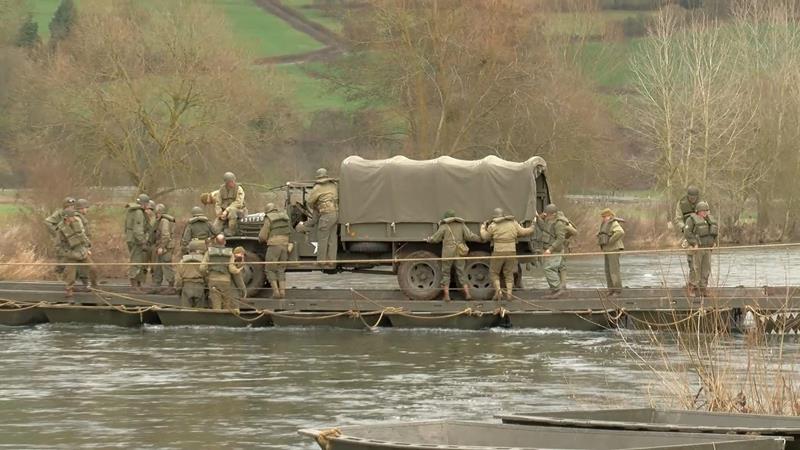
<point>275,234</point>
<point>138,240</point>
<point>197,227</point>
<point>76,245</point>
<point>164,243</point>
<point>324,202</point>
<point>53,221</point>
<point>229,205</point>
<point>503,231</point>
<point>453,233</point>
<point>556,232</point>
<point>219,267</point>
<point>685,208</point>
<point>87,273</point>
<point>701,233</point>
<point>189,280</point>
<point>609,238</point>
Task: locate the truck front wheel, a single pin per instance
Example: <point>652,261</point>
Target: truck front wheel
<point>420,279</point>
<point>253,274</point>
<point>477,272</point>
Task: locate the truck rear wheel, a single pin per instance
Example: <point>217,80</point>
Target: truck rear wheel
<point>477,271</point>
<point>420,280</point>
<point>253,274</point>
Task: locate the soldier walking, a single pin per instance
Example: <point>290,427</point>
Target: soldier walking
<point>503,231</point>
<point>198,227</point>
<point>453,233</point>
<point>324,202</point>
<point>88,273</point>
<point>229,205</point>
<point>53,221</point>
<point>76,245</point>
<point>275,234</point>
<point>164,244</point>
<point>609,238</point>
<point>219,268</point>
<point>701,232</point>
<point>683,210</point>
<point>556,232</point>
<point>138,240</point>
<point>190,282</point>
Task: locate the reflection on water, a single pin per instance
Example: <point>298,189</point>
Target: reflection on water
<point>97,387</point>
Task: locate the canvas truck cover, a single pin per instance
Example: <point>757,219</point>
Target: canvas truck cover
<point>399,189</point>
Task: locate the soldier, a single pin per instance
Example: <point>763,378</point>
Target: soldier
<point>700,231</point>
<point>198,227</point>
<point>229,205</point>
<point>164,244</point>
<point>275,234</point>
<point>503,230</point>
<point>137,239</point>
<point>74,241</point>
<point>453,233</point>
<point>324,202</point>
<point>53,221</point>
<point>685,208</point>
<point>557,230</point>
<point>609,238</point>
<point>87,273</point>
<point>219,267</point>
<point>189,280</point>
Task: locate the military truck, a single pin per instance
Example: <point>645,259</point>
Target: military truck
<point>387,208</point>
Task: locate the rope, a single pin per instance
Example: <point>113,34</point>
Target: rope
<point>15,306</point>
<point>393,261</point>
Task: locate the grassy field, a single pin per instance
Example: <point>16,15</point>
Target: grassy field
<point>312,94</point>
<point>42,11</point>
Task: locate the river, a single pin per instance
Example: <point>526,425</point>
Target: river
<point>69,386</point>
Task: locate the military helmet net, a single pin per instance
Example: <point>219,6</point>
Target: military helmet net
<point>82,203</point>
<point>228,176</point>
<point>702,206</point>
<point>692,191</point>
<point>322,173</point>
<point>551,209</point>
<point>68,201</point>
<point>196,245</point>
<point>197,211</point>
<point>143,199</point>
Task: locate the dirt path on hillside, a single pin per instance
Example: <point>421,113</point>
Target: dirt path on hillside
<point>334,44</point>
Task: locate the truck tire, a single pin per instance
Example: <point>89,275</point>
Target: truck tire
<point>253,275</point>
<point>369,247</point>
<point>477,272</point>
<point>420,280</point>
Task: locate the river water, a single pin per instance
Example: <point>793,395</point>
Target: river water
<point>69,386</point>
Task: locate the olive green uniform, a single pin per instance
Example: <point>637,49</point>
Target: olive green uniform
<point>683,210</point>
<point>609,238</point>
<point>219,268</point>
<point>701,232</point>
<point>53,221</point>
<point>275,233</point>
<point>137,239</point>
<point>88,273</point>
<point>451,233</point>
<point>76,249</point>
<point>190,281</point>
<point>324,201</point>
<point>198,227</point>
<point>164,238</point>
<point>554,238</point>
<point>504,232</point>
<point>230,200</point>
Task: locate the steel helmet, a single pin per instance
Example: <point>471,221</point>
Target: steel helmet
<point>692,191</point>
<point>161,208</point>
<point>498,212</point>
<point>82,203</point>
<point>228,176</point>
<point>197,211</point>
<point>701,206</point>
<point>550,209</point>
<point>143,199</point>
<point>270,207</point>
<point>69,201</point>
<point>322,173</point>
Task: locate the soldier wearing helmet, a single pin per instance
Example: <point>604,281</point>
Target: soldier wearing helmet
<point>324,203</point>
<point>503,231</point>
<point>190,282</point>
<point>87,274</point>
<point>609,239</point>
<point>229,205</point>
<point>275,233</point>
<point>75,245</point>
<point>453,233</point>
<point>197,227</point>
<point>138,240</point>
<point>701,233</point>
<point>557,230</point>
<point>53,221</point>
<point>219,267</point>
<point>685,208</point>
<point>164,244</point>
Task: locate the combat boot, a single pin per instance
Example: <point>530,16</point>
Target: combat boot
<point>154,290</point>
<point>557,293</point>
<point>68,292</point>
<point>169,290</point>
<point>446,294</point>
<point>136,286</point>
<point>282,288</point>
<point>498,293</point>
<point>467,294</point>
<point>509,292</point>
